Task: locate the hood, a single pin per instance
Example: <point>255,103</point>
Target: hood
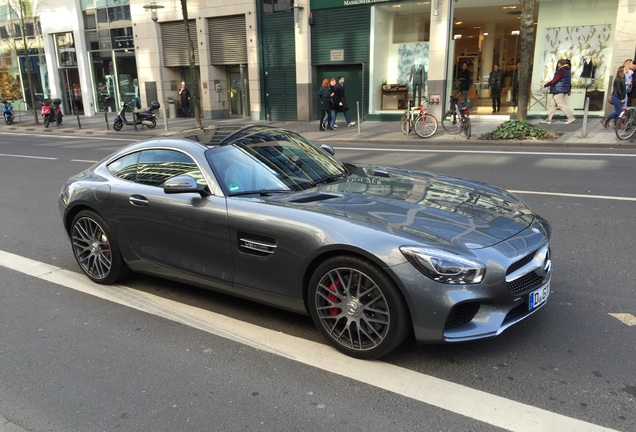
<point>423,206</point>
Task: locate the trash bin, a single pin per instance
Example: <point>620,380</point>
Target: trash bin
<point>172,108</point>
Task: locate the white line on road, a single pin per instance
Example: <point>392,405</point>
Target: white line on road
<point>475,404</point>
<point>625,318</point>
<point>559,194</point>
<point>28,157</point>
<point>497,152</point>
<point>81,136</point>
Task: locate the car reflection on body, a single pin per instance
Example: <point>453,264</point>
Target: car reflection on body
<point>372,254</point>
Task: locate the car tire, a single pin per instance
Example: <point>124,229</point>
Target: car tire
<point>357,307</point>
<point>95,249</point>
<point>118,125</point>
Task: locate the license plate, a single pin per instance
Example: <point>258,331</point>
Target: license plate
<point>538,297</point>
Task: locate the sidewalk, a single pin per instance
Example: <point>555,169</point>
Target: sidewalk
<point>366,132</point>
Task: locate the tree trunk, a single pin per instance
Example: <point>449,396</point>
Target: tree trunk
<point>25,47</point>
<point>195,79</point>
<point>526,32</point>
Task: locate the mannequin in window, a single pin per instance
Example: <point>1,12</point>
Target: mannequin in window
<point>417,81</point>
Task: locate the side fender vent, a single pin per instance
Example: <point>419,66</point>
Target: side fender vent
<point>255,244</point>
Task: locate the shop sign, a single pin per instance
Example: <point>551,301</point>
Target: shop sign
<point>328,4</point>
<point>337,55</point>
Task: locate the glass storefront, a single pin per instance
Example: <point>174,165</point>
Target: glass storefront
<point>111,54</point>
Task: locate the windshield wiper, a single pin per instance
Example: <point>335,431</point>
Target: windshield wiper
<point>260,192</point>
<point>328,179</point>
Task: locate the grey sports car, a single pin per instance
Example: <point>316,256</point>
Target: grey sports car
<point>372,254</point>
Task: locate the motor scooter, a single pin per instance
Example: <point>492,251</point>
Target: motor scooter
<point>144,118</point>
<point>51,112</point>
<point>7,110</point>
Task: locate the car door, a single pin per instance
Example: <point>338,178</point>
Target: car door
<point>186,232</point>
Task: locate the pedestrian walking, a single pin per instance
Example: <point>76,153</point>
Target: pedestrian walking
<point>560,86</point>
<point>341,101</point>
<point>324,95</point>
<point>618,97</point>
<point>495,85</point>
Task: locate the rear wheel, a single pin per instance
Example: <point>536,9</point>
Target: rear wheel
<point>357,307</point>
<point>118,125</point>
<point>451,123</point>
<point>425,126</point>
<point>405,124</point>
<point>95,249</point>
<point>625,127</point>
<point>153,123</point>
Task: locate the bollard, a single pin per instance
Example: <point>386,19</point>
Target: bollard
<point>106,117</point>
<point>358,115</point>
<point>586,108</point>
<point>79,124</point>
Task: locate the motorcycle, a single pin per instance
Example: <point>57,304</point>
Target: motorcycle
<point>7,110</point>
<point>51,112</point>
<point>144,118</point>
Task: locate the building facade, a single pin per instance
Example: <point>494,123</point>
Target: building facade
<point>265,59</point>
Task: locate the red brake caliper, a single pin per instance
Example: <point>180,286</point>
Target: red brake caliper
<point>334,287</point>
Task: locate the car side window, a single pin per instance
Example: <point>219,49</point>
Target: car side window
<point>157,166</point>
<point>125,167</point>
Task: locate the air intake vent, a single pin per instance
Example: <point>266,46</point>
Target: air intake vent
<point>313,198</point>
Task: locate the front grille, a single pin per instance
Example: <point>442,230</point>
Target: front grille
<point>461,314</point>
<point>529,281</point>
<point>525,283</point>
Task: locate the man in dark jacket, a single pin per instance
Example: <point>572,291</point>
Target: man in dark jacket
<point>495,84</point>
<point>341,101</point>
<point>464,76</point>
<point>560,86</point>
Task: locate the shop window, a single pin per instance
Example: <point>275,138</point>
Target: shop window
<point>273,6</point>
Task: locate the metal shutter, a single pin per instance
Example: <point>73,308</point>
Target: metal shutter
<point>228,40</point>
<point>175,49</point>
<point>279,62</point>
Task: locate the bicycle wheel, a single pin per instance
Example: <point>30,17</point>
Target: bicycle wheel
<point>425,126</point>
<point>451,123</point>
<point>467,127</point>
<point>625,127</point>
<point>405,123</point>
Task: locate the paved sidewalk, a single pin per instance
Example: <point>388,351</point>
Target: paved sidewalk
<point>369,132</point>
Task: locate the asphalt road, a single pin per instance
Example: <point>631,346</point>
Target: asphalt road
<point>71,361</point>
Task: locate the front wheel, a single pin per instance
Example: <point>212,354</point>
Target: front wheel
<point>8,120</point>
<point>467,127</point>
<point>451,123</point>
<point>404,122</point>
<point>95,249</point>
<point>47,121</point>
<point>357,307</point>
<point>118,125</point>
<point>425,126</point>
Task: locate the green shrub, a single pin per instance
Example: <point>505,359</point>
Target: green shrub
<point>519,130</point>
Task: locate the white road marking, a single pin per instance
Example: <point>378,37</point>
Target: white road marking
<point>496,152</point>
<point>466,401</point>
<point>81,136</point>
<point>625,318</point>
<point>559,194</point>
<point>27,156</point>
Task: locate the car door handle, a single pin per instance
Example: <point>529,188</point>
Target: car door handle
<point>138,200</point>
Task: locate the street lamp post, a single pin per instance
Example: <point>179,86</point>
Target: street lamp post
<point>153,15</point>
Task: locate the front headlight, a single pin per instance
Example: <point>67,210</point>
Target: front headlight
<point>443,266</point>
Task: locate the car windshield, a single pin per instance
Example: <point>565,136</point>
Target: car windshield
<point>270,160</point>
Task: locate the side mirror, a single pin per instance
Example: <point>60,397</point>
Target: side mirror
<point>328,149</point>
<point>182,184</point>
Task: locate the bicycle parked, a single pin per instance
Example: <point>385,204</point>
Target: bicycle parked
<point>626,124</point>
<point>457,118</point>
<point>418,120</point>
